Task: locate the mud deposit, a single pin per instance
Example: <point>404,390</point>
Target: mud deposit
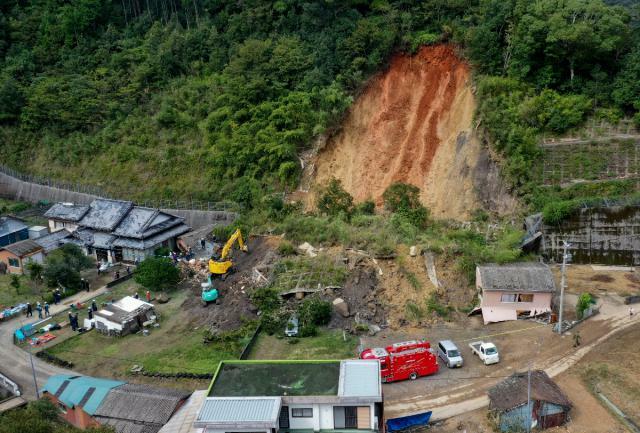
<point>413,124</point>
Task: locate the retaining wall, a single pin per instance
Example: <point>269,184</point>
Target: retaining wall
<point>17,189</point>
<point>602,235</point>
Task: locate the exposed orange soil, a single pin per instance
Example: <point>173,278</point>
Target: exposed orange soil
<point>412,124</point>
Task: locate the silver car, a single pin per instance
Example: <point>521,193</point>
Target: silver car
<point>450,354</point>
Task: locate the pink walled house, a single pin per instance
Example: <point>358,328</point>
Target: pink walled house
<point>507,291</point>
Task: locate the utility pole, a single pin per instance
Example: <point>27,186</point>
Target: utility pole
<point>529,399</point>
<point>565,257</point>
<point>33,368</point>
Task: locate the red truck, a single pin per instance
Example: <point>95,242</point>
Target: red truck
<point>406,360</point>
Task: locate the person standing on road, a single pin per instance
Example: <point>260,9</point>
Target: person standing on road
<point>39,310</point>
<point>576,339</point>
<point>46,309</point>
<point>94,306</point>
<point>203,244</point>
<point>72,322</point>
<point>56,296</point>
<point>89,313</point>
<point>631,313</point>
<point>29,310</point>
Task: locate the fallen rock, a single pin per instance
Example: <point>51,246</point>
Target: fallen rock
<point>341,307</point>
<point>374,329</point>
<point>413,251</point>
<point>308,249</point>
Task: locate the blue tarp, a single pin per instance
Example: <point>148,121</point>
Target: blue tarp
<point>25,331</point>
<point>404,422</point>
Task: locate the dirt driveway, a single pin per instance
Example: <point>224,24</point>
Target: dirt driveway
<point>519,343</point>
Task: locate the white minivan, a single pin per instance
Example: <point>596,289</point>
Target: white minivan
<point>450,354</point>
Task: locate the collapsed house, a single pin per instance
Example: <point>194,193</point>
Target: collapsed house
<point>117,231</point>
<point>548,405</point>
<point>126,316</point>
<point>512,290</point>
<point>128,408</point>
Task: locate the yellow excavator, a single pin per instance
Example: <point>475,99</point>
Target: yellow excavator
<point>222,265</point>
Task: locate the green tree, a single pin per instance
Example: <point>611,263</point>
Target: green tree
<point>157,273</point>
<point>585,300</point>
<point>404,200</point>
<point>15,283</point>
<point>35,270</point>
<point>63,267</point>
<point>334,200</point>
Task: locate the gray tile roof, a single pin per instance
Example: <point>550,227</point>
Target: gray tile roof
<point>360,378</point>
<point>67,212</point>
<point>250,412</point>
<point>143,222</point>
<point>152,241</point>
<point>105,214</point>
<point>10,225</point>
<point>512,392</point>
<point>23,248</point>
<point>522,277</point>
<point>131,405</point>
<point>54,240</point>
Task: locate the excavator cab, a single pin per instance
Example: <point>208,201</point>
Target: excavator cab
<point>209,293</point>
<point>221,266</point>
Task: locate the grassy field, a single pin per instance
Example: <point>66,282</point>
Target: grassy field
<point>28,291</point>
<point>173,347</point>
<point>328,344</point>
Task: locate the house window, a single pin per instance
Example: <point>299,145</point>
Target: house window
<point>525,297</point>
<point>508,297</point>
<point>302,412</point>
<point>14,263</point>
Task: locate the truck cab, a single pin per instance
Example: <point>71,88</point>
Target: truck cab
<point>405,360</point>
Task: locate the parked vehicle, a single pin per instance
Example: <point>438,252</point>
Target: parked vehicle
<point>406,360</point>
<point>486,351</point>
<point>291,330</point>
<point>450,354</point>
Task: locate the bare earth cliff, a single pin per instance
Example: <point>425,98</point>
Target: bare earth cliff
<point>414,124</point>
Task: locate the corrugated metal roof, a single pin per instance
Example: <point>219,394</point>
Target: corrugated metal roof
<point>23,248</point>
<point>77,388</point>
<point>512,392</point>
<point>521,277</point>
<point>67,212</point>
<point>10,225</point>
<point>360,378</point>
<point>248,411</point>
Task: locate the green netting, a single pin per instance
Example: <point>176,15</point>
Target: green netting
<point>276,379</point>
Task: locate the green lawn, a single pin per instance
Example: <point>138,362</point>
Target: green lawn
<point>27,292</point>
<point>173,347</point>
<point>328,344</point>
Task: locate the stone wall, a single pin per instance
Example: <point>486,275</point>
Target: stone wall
<point>17,189</point>
<point>602,235</point>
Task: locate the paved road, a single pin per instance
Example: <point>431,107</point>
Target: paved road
<point>612,311</point>
<point>15,362</point>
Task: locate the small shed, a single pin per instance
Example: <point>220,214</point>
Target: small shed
<point>17,255</point>
<point>36,232</point>
<point>549,406</point>
<point>124,316</point>
<point>515,289</point>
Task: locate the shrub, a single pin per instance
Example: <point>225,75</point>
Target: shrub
<point>404,200</point>
<point>334,200</point>
<point>286,249</point>
<point>314,311</point>
<point>308,330</point>
<point>157,273</point>
<point>585,300</point>
<point>433,304</point>
<point>162,252</point>
<point>367,207</point>
<point>266,299</point>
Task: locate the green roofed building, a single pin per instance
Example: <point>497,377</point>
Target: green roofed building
<point>292,397</point>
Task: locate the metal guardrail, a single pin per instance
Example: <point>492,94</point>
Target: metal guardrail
<point>9,385</point>
<point>223,206</point>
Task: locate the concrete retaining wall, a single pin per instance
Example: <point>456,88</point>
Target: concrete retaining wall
<point>17,189</point>
<point>604,235</point>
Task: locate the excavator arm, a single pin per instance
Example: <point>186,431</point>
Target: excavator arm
<point>236,236</point>
<point>222,266</point>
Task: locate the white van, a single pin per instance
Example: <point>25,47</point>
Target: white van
<point>450,354</point>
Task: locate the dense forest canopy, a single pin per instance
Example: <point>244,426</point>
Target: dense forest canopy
<point>214,99</point>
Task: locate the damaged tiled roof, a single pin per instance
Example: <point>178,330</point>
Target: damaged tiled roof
<point>140,404</point>
<point>512,392</point>
<point>67,211</point>
<point>154,240</point>
<point>105,214</point>
<point>522,277</point>
<point>23,248</point>
<point>54,240</point>
<point>143,222</point>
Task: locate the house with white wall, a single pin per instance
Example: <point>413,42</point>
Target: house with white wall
<point>291,396</point>
<point>123,317</point>
<point>515,289</point>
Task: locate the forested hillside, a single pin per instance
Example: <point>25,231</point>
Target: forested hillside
<point>214,99</point>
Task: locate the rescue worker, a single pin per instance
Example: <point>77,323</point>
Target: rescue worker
<point>576,339</point>
<point>89,313</point>
<point>39,310</point>
<point>29,310</point>
<point>46,309</point>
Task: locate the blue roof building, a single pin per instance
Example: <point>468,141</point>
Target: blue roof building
<point>83,391</point>
<point>12,230</point>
